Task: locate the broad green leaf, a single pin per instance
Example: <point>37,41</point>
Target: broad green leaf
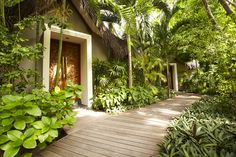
<point>56,125</point>
<point>5,114</point>
<point>43,137</point>
<point>45,129</point>
<point>29,104</point>
<point>19,112</point>
<point>29,97</point>
<point>11,152</point>
<point>34,110</point>
<point>38,125</point>
<point>6,145</point>
<point>17,143</point>
<point>53,133</point>
<point>14,135</point>
<point>7,99</point>
<point>27,155</point>
<point>46,120</point>
<point>29,119</point>
<point>29,132</point>
<point>20,124</point>
<point>30,143</point>
<point>57,90</point>
<point>7,121</point>
<point>3,139</point>
<point>53,120</point>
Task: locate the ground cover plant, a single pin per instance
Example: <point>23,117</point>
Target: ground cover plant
<point>205,129</point>
<point>32,120</point>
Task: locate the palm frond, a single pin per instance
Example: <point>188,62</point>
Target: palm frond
<point>162,6</point>
<point>179,24</point>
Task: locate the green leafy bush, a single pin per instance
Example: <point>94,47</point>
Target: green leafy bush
<point>13,51</point>
<point>108,75</point>
<point>118,99</point>
<point>32,120</point>
<point>111,93</point>
<point>208,128</point>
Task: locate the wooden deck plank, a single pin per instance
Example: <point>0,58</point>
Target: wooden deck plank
<point>47,153</point>
<point>135,126</point>
<point>149,134</point>
<point>124,151</point>
<point>77,150</point>
<point>93,148</point>
<point>126,137</point>
<point>115,144</point>
<point>119,139</point>
<point>64,152</point>
<point>132,134</point>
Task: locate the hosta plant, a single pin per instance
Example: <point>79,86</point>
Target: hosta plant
<point>28,121</point>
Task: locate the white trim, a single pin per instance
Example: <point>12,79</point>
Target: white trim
<point>175,77</point>
<point>86,60</point>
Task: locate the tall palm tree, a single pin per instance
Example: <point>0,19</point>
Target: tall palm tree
<point>124,13</point>
<point>164,33</point>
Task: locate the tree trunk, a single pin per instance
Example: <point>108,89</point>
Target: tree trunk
<point>130,61</point>
<point>57,77</point>
<point>168,77</point>
<point>2,12</point>
<point>232,3</point>
<point>37,39</point>
<point>228,10</point>
<point>209,13</point>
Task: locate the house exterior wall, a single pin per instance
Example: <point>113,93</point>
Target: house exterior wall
<point>100,51</point>
<point>93,44</point>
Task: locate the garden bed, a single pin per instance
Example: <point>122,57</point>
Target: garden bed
<point>208,128</point>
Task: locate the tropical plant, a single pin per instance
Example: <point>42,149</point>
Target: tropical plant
<point>12,54</point>
<point>125,14</point>
<point>205,129</point>
<point>149,69</point>
<point>119,99</point>
<point>34,120</point>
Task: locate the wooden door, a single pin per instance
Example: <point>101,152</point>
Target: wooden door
<point>70,62</point>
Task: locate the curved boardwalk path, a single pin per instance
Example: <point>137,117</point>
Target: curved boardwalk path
<point>132,134</point>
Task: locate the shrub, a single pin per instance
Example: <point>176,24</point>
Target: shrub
<point>32,120</point>
<point>205,129</point>
<point>110,85</point>
<point>118,99</point>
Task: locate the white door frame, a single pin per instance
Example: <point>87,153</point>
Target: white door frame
<point>86,60</point>
<point>175,77</point>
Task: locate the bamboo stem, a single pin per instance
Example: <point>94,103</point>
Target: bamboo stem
<point>2,11</point>
<point>57,77</point>
<point>130,61</point>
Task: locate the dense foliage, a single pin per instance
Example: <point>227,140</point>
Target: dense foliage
<point>33,120</point>
<point>111,93</point>
<point>205,129</point>
<point>30,118</point>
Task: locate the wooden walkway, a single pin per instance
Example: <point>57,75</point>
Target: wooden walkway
<point>132,134</point>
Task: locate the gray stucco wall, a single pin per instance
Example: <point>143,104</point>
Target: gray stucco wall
<point>99,49</point>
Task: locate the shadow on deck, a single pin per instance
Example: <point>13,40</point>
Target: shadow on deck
<point>132,134</point>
